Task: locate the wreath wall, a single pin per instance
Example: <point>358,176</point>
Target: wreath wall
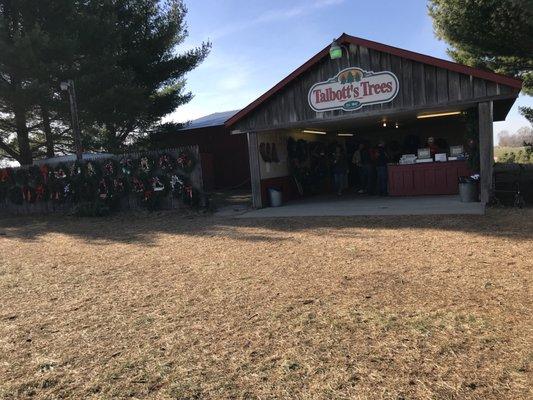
<point>148,177</point>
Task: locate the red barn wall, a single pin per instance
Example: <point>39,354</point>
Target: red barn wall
<point>225,157</point>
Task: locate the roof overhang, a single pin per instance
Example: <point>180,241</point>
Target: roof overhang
<point>347,39</point>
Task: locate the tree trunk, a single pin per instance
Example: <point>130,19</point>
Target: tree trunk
<point>26,157</point>
<point>45,116</point>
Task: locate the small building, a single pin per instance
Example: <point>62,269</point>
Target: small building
<point>370,93</point>
<point>224,156</point>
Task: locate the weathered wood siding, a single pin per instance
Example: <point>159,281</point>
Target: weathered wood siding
<point>486,149</point>
<point>255,171</point>
<point>420,86</point>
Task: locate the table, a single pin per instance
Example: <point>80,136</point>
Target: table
<point>432,178</point>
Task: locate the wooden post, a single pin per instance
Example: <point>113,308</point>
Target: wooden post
<point>255,174</point>
<point>486,150</point>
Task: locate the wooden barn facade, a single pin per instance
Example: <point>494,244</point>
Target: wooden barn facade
<point>377,93</point>
<point>224,156</point>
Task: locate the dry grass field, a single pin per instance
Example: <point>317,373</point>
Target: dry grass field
<point>168,306</point>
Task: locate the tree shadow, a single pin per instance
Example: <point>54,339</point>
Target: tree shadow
<point>146,227</point>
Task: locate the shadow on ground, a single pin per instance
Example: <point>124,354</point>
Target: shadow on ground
<point>144,227</point>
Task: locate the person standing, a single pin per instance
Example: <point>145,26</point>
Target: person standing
<point>433,148</point>
<point>363,164</point>
<point>340,169</point>
<point>382,160</point>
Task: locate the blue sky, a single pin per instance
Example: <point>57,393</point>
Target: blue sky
<point>258,43</point>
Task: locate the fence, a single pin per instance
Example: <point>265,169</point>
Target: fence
<point>507,176</point>
<point>162,173</point>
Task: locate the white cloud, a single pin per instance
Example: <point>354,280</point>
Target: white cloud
<point>221,83</point>
<point>274,16</point>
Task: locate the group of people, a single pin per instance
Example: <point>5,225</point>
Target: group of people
<point>368,166</point>
<point>358,166</point>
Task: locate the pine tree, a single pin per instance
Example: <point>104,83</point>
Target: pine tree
<point>121,54</point>
<point>133,77</point>
<point>491,34</point>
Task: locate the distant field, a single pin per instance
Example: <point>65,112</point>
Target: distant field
<point>500,152</point>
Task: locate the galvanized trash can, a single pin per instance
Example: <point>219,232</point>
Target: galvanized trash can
<point>468,190</point>
<point>275,197</point>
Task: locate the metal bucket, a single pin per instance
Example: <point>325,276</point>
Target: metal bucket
<point>468,192</point>
<point>275,197</point>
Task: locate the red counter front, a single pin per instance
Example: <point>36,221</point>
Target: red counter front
<point>426,178</point>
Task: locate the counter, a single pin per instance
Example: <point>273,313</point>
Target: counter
<point>433,178</point>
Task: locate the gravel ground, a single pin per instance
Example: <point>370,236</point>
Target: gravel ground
<point>173,306</point>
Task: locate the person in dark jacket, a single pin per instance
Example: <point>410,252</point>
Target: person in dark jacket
<point>363,164</point>
<point>382,160</point>
<point>340,169</point>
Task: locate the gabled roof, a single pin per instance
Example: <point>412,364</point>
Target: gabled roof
<point>214,119</point>
<point>411,55</point>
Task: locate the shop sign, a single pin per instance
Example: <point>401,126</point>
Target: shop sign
<point>353,88</point>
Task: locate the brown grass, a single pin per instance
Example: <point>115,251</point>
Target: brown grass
<point>167,306</point>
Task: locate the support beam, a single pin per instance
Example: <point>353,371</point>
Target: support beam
<point>255,174</point>
<point>486,150</point>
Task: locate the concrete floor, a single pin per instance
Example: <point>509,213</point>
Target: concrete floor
<point>351,205</point>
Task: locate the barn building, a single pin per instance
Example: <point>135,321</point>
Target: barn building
<point>434,118</point>
<point>224,156</point>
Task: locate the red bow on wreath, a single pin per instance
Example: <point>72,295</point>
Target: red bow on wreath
<point>102,190</point>
<point>183,160</point>
<point>109,168</point>
<point>148,194</point>
<point>26,194</point>
<point>4,175</point>
<point>138,185</point>
<point>39,193</point>
<point>188,191</point>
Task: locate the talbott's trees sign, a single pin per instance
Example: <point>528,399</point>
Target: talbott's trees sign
<point>353,88</point>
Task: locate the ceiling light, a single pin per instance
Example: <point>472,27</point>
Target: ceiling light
<point>396,125</point>
<point>384,124</point>
<point>315,132</point>
<point>344,134</point>
<point>442,114</point>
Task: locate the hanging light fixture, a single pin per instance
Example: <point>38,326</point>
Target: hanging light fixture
<point>396,125</point>
<point>335,51</point>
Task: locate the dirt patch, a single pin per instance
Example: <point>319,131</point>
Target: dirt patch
<point>195,307</point>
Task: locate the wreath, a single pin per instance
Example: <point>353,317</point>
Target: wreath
<point>126,166</point>
<point>5,182</point>
<point>166,163</point>
<point>119,187</point>
<point>110,168</point>
<point>15,195</point>
<point>186,161</point>
<point>145,164</point>
<point>182,189</point>
<point>35,189</point>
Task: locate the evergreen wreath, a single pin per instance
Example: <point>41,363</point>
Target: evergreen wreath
<point>186,161</point>
<point>166,163</point>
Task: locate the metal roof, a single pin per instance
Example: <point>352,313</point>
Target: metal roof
<point>214,119</point>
